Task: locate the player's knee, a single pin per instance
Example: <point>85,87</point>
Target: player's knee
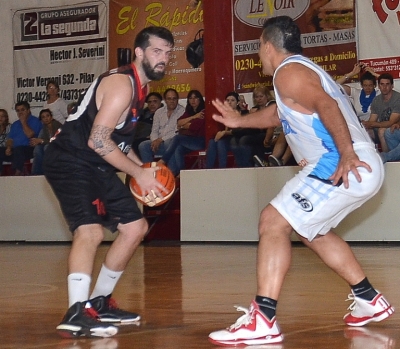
<point>134,230</point>
<point>272,222</point>
<point>89,234</point>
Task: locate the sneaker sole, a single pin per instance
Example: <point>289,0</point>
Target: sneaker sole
<point>270,340</point>
<point>70,331</point>
<point>120,321</point>
<point>384,315</point>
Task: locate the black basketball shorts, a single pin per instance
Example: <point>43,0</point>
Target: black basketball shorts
<point>88,194</point>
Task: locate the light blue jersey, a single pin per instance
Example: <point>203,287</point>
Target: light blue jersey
<point>312,145</point>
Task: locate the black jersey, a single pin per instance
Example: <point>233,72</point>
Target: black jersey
<point>74,134</point>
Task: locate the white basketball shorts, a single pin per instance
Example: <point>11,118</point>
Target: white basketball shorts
<point>312,206</point>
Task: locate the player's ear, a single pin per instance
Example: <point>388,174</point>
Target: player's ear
<point>139,52</point>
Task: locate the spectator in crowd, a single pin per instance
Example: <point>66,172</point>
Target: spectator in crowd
<point>145,121</point>
<point>281,153</point>
<point>164,127</point>
<point>18,142</point>
<point>385,111</point>
<point>363,96</point>
<point>247,142</point>
<point>50,127</point>
<point>5,127</point>
<point>219,146</point>
<point>392,138</point>
<point>243,106</point>
<point>57,105</point>
<point>191,133</point>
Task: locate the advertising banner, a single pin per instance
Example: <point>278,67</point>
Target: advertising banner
<point>183,18</point>
<point>379,23</point>
<point>67,44</point>
<point>328,36</point>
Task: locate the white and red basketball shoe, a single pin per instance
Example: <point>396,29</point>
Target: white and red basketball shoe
<point>252,328</point>
<point>363,311</point>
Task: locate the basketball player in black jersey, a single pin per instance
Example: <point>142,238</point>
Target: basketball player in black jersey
<point>81,164</point>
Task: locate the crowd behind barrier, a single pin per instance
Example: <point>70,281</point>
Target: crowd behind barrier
<point>375,102</point>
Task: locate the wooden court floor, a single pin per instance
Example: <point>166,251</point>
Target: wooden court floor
<point>183,292</point>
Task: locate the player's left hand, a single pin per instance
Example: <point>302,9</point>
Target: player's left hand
<point>349,162</point>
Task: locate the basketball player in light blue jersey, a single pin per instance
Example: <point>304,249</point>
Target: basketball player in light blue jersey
<point>340,171</point>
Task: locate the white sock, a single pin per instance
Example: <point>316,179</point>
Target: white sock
<point>106,282</point>
<point>78,287</point>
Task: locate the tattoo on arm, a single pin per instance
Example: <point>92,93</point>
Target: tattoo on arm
<point>101,138</point>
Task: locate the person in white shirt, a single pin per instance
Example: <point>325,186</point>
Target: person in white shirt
<point>363,96</point>
<point>341,170</point>
<point>57,105</point>
<point>164,127</point>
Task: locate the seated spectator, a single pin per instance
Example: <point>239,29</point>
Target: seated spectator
<point>385,111</point>
<point>50,127</point>
<point>26,127</point>
<point>361,97</point>
<point>191,133</point>
<point>145,120</point>
<point>219,146</point>
<point>164,127</point>
<point>247,143</point>
<point>392,138</point>
<point>243,106</point>
<point>281,153</point>
<point>55,103</point>
<point>4,131</point>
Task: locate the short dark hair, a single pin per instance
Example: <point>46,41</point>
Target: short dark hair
<point>283,33</point>
<point>47,110</point>
<point>142,38</point>
<point>23,103</point>
<point>233,94</point>
<point>52,82</point>
<point>368,76</point>
<point>170,90</point>
<point>155,94</point>
<point>386,76</point>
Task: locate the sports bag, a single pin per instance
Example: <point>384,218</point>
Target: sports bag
<point>194,51</point>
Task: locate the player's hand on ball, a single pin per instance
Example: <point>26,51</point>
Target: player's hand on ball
<point>150,187</point>
<point>156,190</point>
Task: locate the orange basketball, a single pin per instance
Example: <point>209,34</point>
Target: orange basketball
<point>164,176</point>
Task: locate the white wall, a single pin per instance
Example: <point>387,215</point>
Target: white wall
<point>6,46</point>
<point>30,211</point>
<point>224,205</point>
<point>216,205</point>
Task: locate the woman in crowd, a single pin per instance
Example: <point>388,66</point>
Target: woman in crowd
<point>57,105</point>
<point>247,143</point>
<point>219,146</point>
<point>191,133</point>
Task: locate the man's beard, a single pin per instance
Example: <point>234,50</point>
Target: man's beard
<point>150,73</point>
